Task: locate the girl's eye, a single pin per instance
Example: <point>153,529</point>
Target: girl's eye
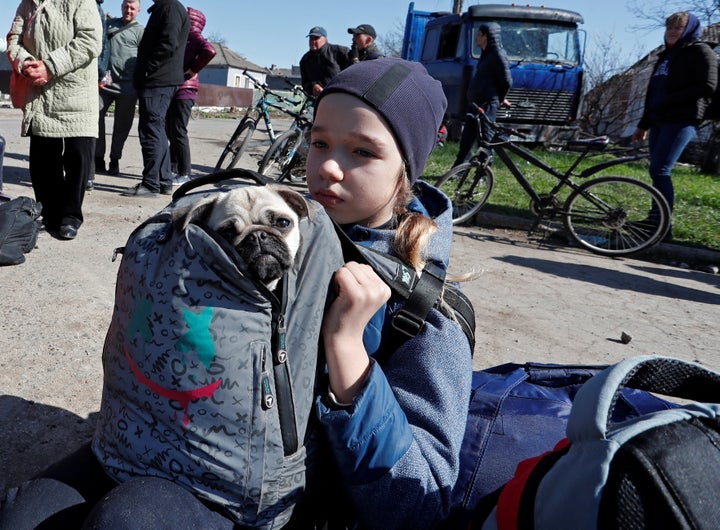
<point>364,153</point>
<point>318,144</point>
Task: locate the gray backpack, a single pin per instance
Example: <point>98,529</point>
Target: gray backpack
<point>209,378</point>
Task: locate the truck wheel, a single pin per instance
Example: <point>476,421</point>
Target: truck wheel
<point>711,163</point>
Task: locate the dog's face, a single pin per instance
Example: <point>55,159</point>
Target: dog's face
<point>260,222</point>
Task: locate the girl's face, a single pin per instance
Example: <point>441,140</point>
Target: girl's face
<point>354,164</point>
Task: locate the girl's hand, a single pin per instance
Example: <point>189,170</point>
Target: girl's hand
<point>360,293</point>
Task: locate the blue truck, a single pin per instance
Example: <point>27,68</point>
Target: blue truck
<point>545,51</point>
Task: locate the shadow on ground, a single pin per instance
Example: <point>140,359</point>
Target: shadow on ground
<point>35,435</point>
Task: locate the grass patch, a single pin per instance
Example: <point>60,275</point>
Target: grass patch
<point>696,220</point>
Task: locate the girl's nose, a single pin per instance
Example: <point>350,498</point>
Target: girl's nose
<point>330,169</point>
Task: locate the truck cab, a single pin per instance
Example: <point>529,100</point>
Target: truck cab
<point>544,53</point>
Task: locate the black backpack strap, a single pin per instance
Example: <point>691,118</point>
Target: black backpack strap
<point>422,292</point>
<point>427,291</point>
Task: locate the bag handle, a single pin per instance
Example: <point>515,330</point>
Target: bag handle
<point>595,401</point>
<point>220,176</point>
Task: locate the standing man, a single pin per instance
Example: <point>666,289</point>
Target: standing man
<point>488,87</point>
<point>363,43</point>
<point>322,62</point>
<point>55,45</point>
<point>124,35</point>
<point>158,74</point>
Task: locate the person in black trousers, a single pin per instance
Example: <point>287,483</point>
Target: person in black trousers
<point>488,87</point>
<point>158,74</point>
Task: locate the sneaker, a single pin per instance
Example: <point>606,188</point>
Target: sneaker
<point>99,165</point>
<point>140,190</point>
<point>179,180</point>
<point>166,189</point>
<point>90,184</point>
<point>114,167</point>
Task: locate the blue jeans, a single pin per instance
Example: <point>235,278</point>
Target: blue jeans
<point>667,142</point>
<point>154,103</point>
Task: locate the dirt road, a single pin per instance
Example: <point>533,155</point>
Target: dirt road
<point>534,301</point>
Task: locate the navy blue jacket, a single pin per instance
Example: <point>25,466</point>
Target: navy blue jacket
<point>397,448</point>
<point>162,48</point>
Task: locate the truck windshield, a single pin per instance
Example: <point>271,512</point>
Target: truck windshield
<point>533,41</point>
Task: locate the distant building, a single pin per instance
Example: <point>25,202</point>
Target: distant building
<point>226,69</point>
<point>628,88</point>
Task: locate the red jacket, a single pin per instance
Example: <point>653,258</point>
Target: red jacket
<point>198,53</point>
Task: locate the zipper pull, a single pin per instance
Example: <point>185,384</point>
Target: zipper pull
<point>281,351</point>
<point>268,399</point>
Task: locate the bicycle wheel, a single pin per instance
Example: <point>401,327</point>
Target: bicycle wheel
<point>280,156</point>
<point>468,186</point>
<point>609,216</point>
<point>236,146</point>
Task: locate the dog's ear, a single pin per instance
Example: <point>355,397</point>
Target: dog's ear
<point>194,211</point>
<point>294,199</point>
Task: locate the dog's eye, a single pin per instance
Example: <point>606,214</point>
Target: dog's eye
<point>283,223</point>
<point>227,232</point>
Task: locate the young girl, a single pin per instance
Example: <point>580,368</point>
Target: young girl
<point>391,417</point>
<point>394,420</point>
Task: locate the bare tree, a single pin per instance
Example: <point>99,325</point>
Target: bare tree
<point>612,91</point>
<point>655,13</point>
<point>391,43</point>
<point>217,37</point>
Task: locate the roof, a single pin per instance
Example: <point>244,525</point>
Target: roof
<point>225,57</point>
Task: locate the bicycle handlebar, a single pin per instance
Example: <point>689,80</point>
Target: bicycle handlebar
<point>481,116</point>
<point>268,90</point>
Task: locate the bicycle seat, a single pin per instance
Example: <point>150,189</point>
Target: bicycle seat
<point>591,144</point>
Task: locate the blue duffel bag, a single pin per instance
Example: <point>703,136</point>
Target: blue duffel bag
<point>518,411</point>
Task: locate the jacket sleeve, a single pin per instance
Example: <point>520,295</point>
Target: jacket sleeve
<point>398,446</point>
<point>703,72</point>
<point>504,78</point>
<point>16,52</point>
<point>85,46</point>
<point>343,57</point>
<point>166,42</point>
<point>204,53</point>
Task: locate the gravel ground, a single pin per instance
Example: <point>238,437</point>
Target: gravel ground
<point>535,300</point>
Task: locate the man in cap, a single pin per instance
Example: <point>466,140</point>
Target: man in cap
<point>322,61</point>
<point>363,43</point>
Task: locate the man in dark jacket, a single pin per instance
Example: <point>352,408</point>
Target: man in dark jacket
<point>158,73</point>
<point>488,87</point>
<point>322,62</point>
<point>363,43</point>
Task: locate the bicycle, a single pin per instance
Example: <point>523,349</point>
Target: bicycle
<point>240,139</point>
<point>285,159</point>
<point>608,215</point>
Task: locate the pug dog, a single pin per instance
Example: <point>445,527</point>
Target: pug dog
<point>261,222</point>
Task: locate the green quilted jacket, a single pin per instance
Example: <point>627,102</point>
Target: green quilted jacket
<point>67,36</point>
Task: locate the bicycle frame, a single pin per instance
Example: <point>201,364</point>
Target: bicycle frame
<point>503,146</point>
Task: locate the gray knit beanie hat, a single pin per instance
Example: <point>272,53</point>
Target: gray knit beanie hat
<point>409,99</point>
